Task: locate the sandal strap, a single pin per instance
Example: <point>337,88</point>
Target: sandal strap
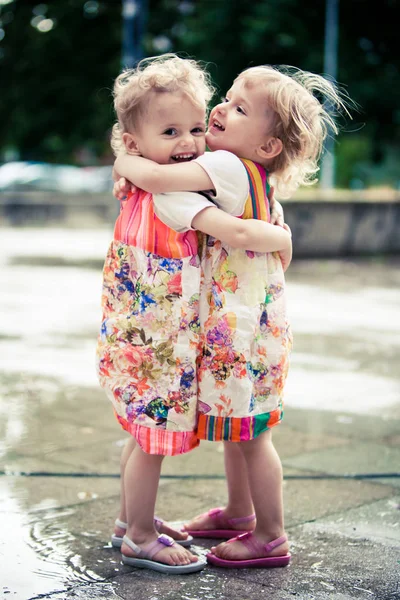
<point>131,544</point>
<point>216,512</point>
<point>213,512</point>
<point>238,520</point>
<point>161,542</point>
<point>121,524</point>
<point>157,523</point>
<point>275,543</point>
<point>256,547</point>
<point>150,550</point>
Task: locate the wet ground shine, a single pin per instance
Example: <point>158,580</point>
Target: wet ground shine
<point>342,421</point>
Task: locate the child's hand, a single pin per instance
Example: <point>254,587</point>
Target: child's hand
<point>287,254</point>
<point>122,188</point>
<point>276,209</point>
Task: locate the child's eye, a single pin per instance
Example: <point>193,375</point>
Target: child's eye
<point>240,110</point>
<point>225,99</point>
<point>170,131</point>
<point>198,130</point>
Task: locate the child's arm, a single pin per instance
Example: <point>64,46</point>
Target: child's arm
<point>156,179</point>
<point>248,234</point>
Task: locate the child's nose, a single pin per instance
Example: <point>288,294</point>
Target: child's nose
<point>186,140</point>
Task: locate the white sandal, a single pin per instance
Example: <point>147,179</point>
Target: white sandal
<point>145,557</point>
<point>116,540</point>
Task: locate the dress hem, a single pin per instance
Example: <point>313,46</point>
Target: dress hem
<point>236,429</point>
<point>161,441</point>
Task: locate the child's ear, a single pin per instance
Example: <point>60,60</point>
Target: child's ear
<point>130,143</point>
<point>271,148</point>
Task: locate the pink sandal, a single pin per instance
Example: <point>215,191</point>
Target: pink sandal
<point>225,533</point>
<point>256,547</point>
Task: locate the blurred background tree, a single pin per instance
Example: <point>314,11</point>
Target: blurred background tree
<point>58,61</point>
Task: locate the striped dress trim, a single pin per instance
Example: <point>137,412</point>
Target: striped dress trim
<point>257,205</point>
<point>236,429</point>
<point>160,441</point>
<point>139,226</point>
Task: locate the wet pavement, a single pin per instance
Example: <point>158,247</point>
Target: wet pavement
<point>60,444</point>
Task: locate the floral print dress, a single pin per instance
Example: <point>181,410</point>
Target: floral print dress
<point>246,337</point>
<point>147,348</point>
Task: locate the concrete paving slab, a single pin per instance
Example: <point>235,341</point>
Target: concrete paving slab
<point>56,419</point>
<point>94,591</point>
<point>32,464</point>
<point>42,493</point>
<point>329,564</point>
<point>289,441</point>
<point>47,441</point>
<point>304,502</point>
<point>325,566</point>
<point>40,403</point>
<point>378,522</point>
<point>341,424</point>
<point>374,356</point>
<point>310,500</point>
<point>360,457</point>
<point>97,457</point>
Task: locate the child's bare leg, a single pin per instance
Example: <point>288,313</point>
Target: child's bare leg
<point>265,480</point>
<point>240,503</point>
<point>239,498</point>
<point>119,531</point>
<point>142,474</point>
<point>125,454</point>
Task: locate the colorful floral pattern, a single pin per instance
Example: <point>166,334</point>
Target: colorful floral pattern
<point>246,337</point>
<point>148,343</point>
<point>246,342</point>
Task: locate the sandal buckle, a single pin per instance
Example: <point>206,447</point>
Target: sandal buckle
<point>165,539</point>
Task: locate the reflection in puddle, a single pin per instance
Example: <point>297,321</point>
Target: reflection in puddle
<point>41,561</point>
<point>346,341</point>
<point>341,389</point>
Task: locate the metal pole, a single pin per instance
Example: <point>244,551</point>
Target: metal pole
<point>141,28</point>
<point>330,68</point>
<point>130,8</point>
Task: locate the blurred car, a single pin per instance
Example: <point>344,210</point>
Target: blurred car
<point>37,176</point>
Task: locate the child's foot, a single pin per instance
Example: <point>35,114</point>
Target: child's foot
<point>160,525</point>
<point>169,553</point>
<point>176,534</point>
<point>217,522</point>
<point>251,546</point>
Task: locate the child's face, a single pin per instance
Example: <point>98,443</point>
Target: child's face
<point>172,129</point>
<point>241,123</point>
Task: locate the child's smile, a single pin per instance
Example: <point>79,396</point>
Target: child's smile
<point>183,157</point>
<point>216,125</point>
<point>240,124</point>
<point>172,129</point>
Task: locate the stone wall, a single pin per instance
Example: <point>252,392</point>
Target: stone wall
<point>320,227</point>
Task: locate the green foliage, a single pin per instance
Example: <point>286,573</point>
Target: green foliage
<point>56,85</point>
<point>352,150</point>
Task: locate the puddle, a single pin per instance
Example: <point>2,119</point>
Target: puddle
<point>340,390</point>
<point>49,318</point>
<point>42,560</point>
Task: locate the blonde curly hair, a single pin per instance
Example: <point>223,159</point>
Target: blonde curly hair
<point>159,74</point>
<point>304,107</point>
